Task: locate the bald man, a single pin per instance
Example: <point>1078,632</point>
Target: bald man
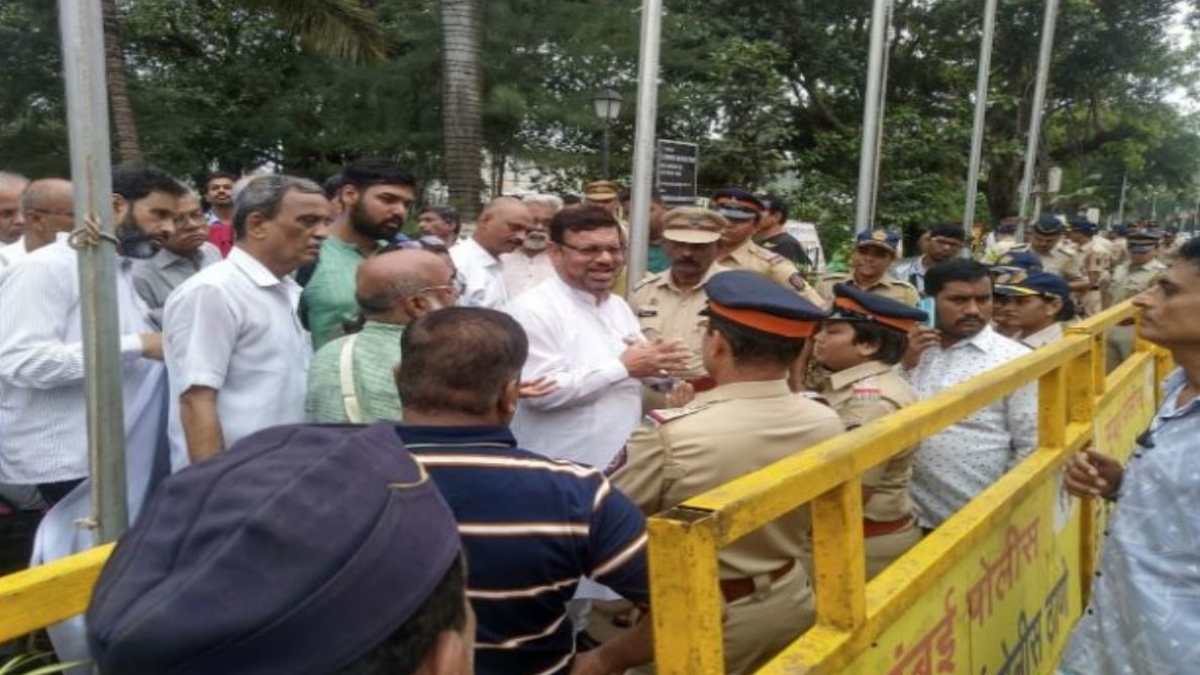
<point>351,379</point>
<point>502,228</point>
<point>47,209</point>
<point>11,186</point>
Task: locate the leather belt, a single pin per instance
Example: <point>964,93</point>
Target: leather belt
<point>701,384</point>
<point>736,589</point>
<point>875,528</point>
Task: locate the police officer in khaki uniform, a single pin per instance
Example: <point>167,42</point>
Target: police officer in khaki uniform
<point>1058,256</point>
<point>864,337</point>
<point>668,304</point>
<point>739,252</point>
<point>1094,259</point>
<point>1142,270</point>
<point>750,420</point>
<point>873,254</point>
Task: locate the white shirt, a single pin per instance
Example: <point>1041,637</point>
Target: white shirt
<point>233,327</point>
<point>42,401</point>
<point>12,252</point>
<point>481,274</point>
<point>521,273</point>
<point>952,467</point>
<point>579,343</point>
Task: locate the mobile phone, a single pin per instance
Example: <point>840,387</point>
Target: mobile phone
<point>929,306</point>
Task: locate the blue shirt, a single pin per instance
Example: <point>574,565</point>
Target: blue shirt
<point>531,527</point>
<point>1144,616</point>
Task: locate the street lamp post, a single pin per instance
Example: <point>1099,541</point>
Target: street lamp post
<point>608,106</point>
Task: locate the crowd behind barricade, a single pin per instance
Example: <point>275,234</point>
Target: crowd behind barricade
<point>354,451</point>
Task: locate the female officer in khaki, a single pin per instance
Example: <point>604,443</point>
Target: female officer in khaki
<point>864,337</point>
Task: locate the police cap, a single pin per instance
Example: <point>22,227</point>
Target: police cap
<point>752,300</point>
<point>1023,260</point>
<point>297,550</point>
<point>1048,225</point>
<point>853,304</point>
<point>1082,225</point>
<point>738,204</point>
<point>601,191</point>
<point>884,239</point>
<point>1022,283</point>
<point>693,225</point>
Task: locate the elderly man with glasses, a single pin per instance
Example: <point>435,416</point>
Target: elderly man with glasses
<point>184,253</point>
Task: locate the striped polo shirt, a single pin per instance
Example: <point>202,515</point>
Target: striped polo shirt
<point>531,527</point>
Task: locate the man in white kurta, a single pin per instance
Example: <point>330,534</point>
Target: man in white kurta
<point>235,349</point>
<point>501,229</point>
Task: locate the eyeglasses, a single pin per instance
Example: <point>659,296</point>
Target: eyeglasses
<point>456,284</point>
<point>49,212</point>
<point>597,251</point>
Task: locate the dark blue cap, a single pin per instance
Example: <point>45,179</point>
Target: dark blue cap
<point>880,238</point>
<point>1048,225</point>
<point>752,300</point>
<point>1025,260</point>
<point>1082,225</point>
<point>948,230</point>
<point>1171,229</point>
<point>1121,229</point>
<point>738,204</point>
<point>1021,282</point>
<point>297,550</point>
<point>1150,235</point>
<point>853,304</point>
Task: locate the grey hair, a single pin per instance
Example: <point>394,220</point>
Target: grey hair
<point>553,201</point>
<point>12,181</point>
<point>264,194</point>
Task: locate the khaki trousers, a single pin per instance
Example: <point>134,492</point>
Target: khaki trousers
<point>759,626</point>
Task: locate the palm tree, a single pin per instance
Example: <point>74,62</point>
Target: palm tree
<point>462,112</point>
<point>338,28</point>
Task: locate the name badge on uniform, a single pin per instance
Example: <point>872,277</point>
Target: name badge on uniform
<point>867,389</point>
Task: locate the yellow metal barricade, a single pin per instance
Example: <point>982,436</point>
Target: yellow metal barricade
<point>1005,576</point>
<point>995,589</point>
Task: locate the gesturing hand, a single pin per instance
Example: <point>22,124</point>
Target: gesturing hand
<point>539,387</point>
<point>655,357</point>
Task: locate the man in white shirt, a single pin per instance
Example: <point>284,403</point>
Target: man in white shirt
<point>955,465</point>
<point>501,229</point>
<point>42,398</point>
<point>47,208</point>
<point>235,350</point>
<point>587,341</point>
<point>530,264</point>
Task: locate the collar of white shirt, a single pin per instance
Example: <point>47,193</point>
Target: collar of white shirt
<point>479,253</point>
<point>585,297</point>
<point>252,268</point>
<point>984,341</point>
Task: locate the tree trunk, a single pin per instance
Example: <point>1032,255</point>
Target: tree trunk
<point>128,148</point>
<point>462,109</point>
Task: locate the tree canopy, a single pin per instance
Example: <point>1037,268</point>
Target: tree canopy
<point>768,90</point>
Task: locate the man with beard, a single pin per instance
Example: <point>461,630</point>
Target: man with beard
<point>530,265</point>
<point>184,253</point>
<point>42,398</point>
<point>47,208</point>
<point>350,380</point>
<point>945,242</point>
<point>501,229</point>
<point>375,197</point>
<point>772,236</point>
<point>218,192</point>
<point>955,465</point>
<point>235,351</point>
<point>668,304</point>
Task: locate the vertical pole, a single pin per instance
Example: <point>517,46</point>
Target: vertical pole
<point>1035,115</point>
<point>1121,203</point>
<point>643,143</point>
<point>604,150</point>
<point>869,155</point>
<point>879,115</point>
<point>87,122</point>
<point>981,99</point>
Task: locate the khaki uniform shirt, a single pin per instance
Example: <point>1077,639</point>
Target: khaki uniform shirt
<point>1129,280</point>
<point>1166,254</point>
<point>724,434</point>
<point>1120,251</point>
<point>862,394</point>
<point>1095,261</point>
<point>1044,336</point>
<point>751,256</point>
<point>664,310</point>
<point>888,286</point>
<point>1060,260</point>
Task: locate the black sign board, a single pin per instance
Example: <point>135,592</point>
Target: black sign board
<point>676,174</point>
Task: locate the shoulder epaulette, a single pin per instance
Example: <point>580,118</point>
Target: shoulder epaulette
<point>661,416</point>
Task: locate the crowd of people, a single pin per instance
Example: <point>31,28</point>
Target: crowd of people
<point>354,451</point>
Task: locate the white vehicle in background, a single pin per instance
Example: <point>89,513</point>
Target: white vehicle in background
<point>806,234</point>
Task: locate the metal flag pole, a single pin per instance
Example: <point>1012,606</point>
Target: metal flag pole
<point>881,113</point>
<point>643,142</point>
<point>1121,203</point>
<point>981,99</point>
<point>1035,115</point>
<point>869,156</point>
<point>87,122</point>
